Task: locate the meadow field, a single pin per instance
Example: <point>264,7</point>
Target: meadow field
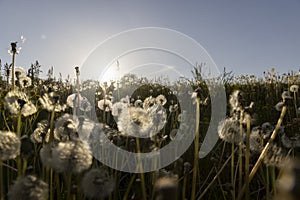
<point>48,137</point>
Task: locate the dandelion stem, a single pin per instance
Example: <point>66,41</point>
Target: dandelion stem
<point>52,125</point>
<point>295,103</point>
<point>216,176</point>
<point>264,151</point>
<point>196,149</point>
<point>1,182</point>
<point>247,159</point>
<point>268,183</point>
<point>141,168</point>
<point>241,152</point>
<point>13,69</point>
<point>129,187</point>
<point>232,171</point>
<point>184,186</point>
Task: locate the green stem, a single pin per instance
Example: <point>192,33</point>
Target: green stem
<point>196,150</point>
<point>268,183</point>
<point>247,159</point>
<point>129,187</point>
<point>1,182</point>
<point>232,171</point>
<point>52,125</point>
<point>141,168</point>
<point>216,176</point>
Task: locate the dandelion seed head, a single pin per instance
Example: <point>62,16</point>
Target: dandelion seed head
<point>275,156</point>
<point>235,100</point>
<point>25,82</point>
<point>148,102</point>
<point>294,88</point>
<point>285,95</point>
<point>28,187</point>
<point>134,121</point>
<point>20,72</point>
<point>290,142</point>
<point>10,145</point>
<point>71,156</point>
<point>17,102</point>
<point>74,99</point>
<point>105,105</point>
<point>51,102</point>
<point>279,106</point>
<point>256,140</point>
<point>66,127</point>
<point>229,131</point>
<point>161,99</point>
<point>97,184</point>
<point>118,107</point>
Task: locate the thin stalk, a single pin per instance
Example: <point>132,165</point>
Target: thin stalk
<point>57,183</point>
<point>268,183</point>
<point>141,168</point>
<point>52,125</point>
<point>295,103</point>
<point>216,176</point>
<point>264,151</point>
<point>196,150</point>
<point>19,161</point>
<point>241,153</point>
<point>1,182</point>
<point>232,170</point>
<point>13,69</point>
<point>273,179</point>
<point>184,186</point>
<point>129,187</point>
<point>51,184</point>
<point>247,159</point>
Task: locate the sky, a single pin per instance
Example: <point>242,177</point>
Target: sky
<point>246,37</point>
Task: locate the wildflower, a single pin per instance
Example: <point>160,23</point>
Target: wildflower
<point>285,96</point>
<point>229,131</point>
<point>97,184</point>
<point>51,102</point>
<point>10,145</point>
<point>235,100</point>
<point>42,132</point>
<point>84,104</point>
<point>118,107</point>
<point>290,142</point>
<point>17,102</point>
<point>173,108</point>
<point>267,129</point>
<point>66,127</point>
<point>256,140</point>
<point>158,116</point>
<point>105,105</point>
<point>69,156</point>
<point>19,72</point>
<point>29,187</point>
<point>279,106</point>
<point>294,88</point>
<point>148,102</point>
<point>138,103</point>
<point>135,121</point>
<point>275,156</point>
<point>161,99</point>
<point>25,82</point>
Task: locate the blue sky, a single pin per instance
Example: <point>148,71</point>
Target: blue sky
<point>247,37</point>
